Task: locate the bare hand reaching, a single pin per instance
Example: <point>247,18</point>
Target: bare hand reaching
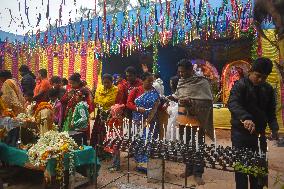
<point>249,125</point>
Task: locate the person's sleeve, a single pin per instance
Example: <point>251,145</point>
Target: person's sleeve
<point>64,99</point>
<point>271,111</point>
<point>175,95</point>
<point>60,114</point>
<point>120,97</point>
<point>45,87</point>
<point>130,100</point>
<point>83,118</point>
<point>236,102</point>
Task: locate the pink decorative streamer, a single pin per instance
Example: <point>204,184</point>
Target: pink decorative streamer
<point>50,61</point>
<point>36,61</point>
<point>15,66</point>
<point>83,61</point>
<point>71,59</point>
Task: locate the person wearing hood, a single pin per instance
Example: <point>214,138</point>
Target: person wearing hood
<point>28,82</point>
<point>158,84</point>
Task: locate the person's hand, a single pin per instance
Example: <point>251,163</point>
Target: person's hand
<point>274,135</point>
<point>249,125</point>
<point>141,110</point>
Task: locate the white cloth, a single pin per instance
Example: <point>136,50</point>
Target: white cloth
<point>159,86</point>
<point>171,127</point>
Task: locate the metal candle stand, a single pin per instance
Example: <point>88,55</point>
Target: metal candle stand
<point>219,158</point>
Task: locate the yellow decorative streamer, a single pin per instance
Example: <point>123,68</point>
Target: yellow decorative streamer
<point>43,59</point>
<point>274,78</point>
<point>90,66</point>
<point>8,61</point>
<point>77,64</point>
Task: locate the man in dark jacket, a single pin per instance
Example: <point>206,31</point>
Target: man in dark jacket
<point>28,81</point>
<point>252,106</point>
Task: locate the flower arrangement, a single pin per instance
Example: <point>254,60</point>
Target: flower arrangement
<point>52,145</point>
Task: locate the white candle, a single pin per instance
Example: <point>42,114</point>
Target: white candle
<point>113,134</point>
<point>191,135</point>
<point>141,130</point>
<point>266,154</point>
<point>172,133</point>
<point>164,138</point>
<point>106,131</point>
<point>215,141</point>
<point>177,133</point>
<point>184,135</point>
<point>153,131</point>
<point>147,132</point>
<point>142,122</point>
<point>196,139</point>
<point>259,150</point>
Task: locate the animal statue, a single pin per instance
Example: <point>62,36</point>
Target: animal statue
<point>275,9</point>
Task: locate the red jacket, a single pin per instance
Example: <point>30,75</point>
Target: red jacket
<point>134,93</point>
<point>124,88</point>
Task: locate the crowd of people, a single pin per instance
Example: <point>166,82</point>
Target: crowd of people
<point>140,99</point>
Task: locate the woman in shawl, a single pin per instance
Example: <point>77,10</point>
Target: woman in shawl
<point>12,95</point>
<point>105,97</point>
<point>70,100</point>
<point>144,102</point>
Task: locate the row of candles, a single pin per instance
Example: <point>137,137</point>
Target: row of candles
<point>138,130</point>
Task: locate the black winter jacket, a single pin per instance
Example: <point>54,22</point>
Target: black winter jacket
<point>256,103</point>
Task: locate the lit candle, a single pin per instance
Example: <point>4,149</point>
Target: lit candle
<point>106,131</point>
<point>164,138</point>
<point>153,131</point>
<point>259,150</point>
<point>113,134</point>
<point>172,133</point>
<point>184,135</point>
<point>142,121</point>
<point>196,139</point>
<point>266,154</point>
<point>141,130</point>
<point>177,133</point>
<point>147,132</point>
<point>191,135</point>
<point>215,142</point>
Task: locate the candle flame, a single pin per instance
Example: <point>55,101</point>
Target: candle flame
<point>197,128</point>
<point>258,135</point>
